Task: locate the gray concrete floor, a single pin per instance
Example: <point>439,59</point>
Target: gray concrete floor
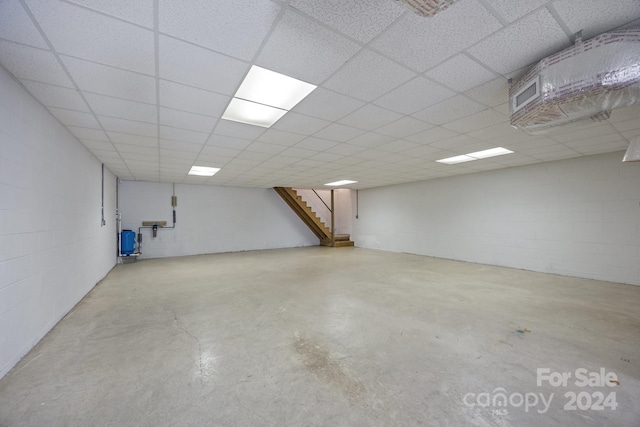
<point>330,337</point>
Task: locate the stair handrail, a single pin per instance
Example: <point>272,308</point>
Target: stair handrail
<point>323,202</point>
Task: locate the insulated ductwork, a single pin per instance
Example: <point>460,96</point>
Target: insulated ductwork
<point>426,7</point>
<point>583,82</point>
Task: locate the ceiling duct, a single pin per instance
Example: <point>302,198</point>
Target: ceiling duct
<point>583,82</point>
<point>426,7</point>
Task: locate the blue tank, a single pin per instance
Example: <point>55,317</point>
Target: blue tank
<point>127,242</point>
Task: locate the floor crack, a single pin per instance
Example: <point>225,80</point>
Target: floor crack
<point>197,340</point>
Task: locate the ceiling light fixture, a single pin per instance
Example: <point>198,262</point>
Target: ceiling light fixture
<point>427,7</point>
<point>491,152</point>
<point>484,154</point>
<point>343,182</point>
<point>456,159</point>
<point>203,171</point>
<point>265,96</point>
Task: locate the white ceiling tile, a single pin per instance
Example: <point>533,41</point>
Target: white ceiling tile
<point>595,17</point>
<point>370,117</point>
<point>191,99</point>
<point>325,157</point>
<point>476,121</point>
<point>203,63</point>
<point>174,145</point>
<point>327,105</point>
<point>503,109</point>
<point>338,132</point>
<point>362,20</point>
<point>229,142</point>
<point>397,146</point>
<point>126,148</point>
<point>596,140</point>
<point>95,37</point>
<point>104,80</point>
<point>511,10</point>
<point>298,153</point>
<point>75,118</point>
<point>627,125</point>
<point>317,144</point>
<point>624,114</point>
<point>414,95</point>
<point>56,96</point>
<point>265,147</point>
<point>30,63</point>
<point>128,139</point>
<point>292,49</point>
<point>371,139</point>
<point>86,133</point>
<point>233,27</point>
<point>139,11</point>
<point>368,76</point>
<point>97,145</point>
<point>122,108</point>
<point>404,127</point>
<point>608,147</point>
<point>452,109</point>
<point>346,149</point>
<point>460,73</point>
<point>238,130</point>
<point>183,135</point>
<point>492,93</point>
<point>456,144</point>
<point>183,120</point>
<point>522,43</point>
<point>168,157</point>
<point>279,137</point>
<point>219,151</point>
<point>298,123</point>
<point>129,126</point>
<point>254,155</point>
<point>499,130</point>
<point>431,135</point>
<point>17,26</point>
<point>421,43</point>
<point>583,132</point>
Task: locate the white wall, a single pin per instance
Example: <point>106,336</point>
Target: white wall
<point>577,217</point>
<point>211,219</point>
<point>53,249</point>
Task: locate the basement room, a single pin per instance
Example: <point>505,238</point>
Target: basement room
<point>320,213</point>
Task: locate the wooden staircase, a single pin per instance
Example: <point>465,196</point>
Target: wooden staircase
<point>309,217</point>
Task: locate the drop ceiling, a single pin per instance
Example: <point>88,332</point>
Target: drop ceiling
<point>143,84</point>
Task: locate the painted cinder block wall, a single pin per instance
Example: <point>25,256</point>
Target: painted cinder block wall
<point>53,248</point>
<point>210,219</point>
<point>576,217</point>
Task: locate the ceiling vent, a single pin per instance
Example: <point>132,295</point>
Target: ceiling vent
<point>583,82</point>
<point>426,7</point>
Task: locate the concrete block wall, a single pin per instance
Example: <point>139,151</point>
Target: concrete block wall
<point>210,219</point>
<point>577,217</point>
<point>53,249</point>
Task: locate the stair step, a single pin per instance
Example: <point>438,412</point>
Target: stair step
<point>341,237</point>
<point>343,243</point>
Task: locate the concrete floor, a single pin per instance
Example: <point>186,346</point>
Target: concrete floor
<point>323,336</point>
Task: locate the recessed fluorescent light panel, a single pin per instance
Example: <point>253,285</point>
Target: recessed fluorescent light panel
<point>343,182</point>
<point>203,171</point>
<point>456,159</point>
<point>492,152</point>
<point>265,96</point>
